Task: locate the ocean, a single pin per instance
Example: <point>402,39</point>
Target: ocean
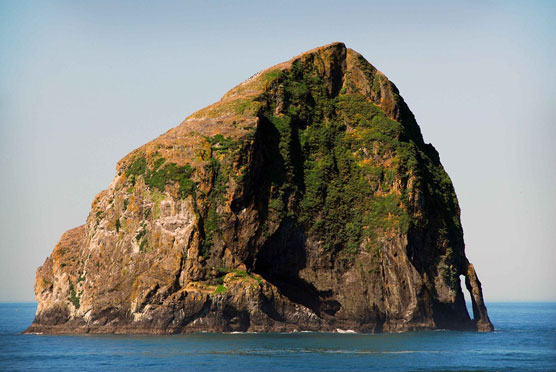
<point>524,340</point>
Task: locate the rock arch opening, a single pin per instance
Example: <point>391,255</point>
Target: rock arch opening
<point>467,297</point>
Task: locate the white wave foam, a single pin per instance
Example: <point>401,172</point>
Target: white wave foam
<point>345,330</point>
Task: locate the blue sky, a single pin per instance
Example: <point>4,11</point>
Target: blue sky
<point>84,83</point>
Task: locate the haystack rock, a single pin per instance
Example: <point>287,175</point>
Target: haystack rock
<point>305,199</point>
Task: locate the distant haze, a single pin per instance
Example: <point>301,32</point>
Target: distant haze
<point>83,84</point>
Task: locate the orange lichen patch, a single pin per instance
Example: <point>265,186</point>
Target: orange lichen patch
<point>42,284</point>
<point>380,192</point>
<point>133,205</point>
<point>156,239</point>
<point>204,152</point>
<point>65,254</point>
<point>119,181</point>
<point>200,287</point>
<point>98,197</point>
<point>387,163</point>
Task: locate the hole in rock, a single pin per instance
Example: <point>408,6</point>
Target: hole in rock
<point>466,296</point>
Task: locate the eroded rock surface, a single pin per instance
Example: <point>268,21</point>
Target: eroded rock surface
<point>305,199</point>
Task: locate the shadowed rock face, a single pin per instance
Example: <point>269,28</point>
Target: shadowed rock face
<point>305,199</point>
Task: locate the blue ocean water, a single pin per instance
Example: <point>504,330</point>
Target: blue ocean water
<point>524,340</point>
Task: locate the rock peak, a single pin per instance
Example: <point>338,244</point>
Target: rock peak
<point>336,46</point>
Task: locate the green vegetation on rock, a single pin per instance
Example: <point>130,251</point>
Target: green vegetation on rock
<point>220,289</point>
<point>336,161</point>
<point>219,174</point>
<point>219,143</point>
<point>158,177</point>
<point>157,198</point>
<point>74,298</point>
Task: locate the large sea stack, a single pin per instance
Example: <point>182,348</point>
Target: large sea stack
<point>305,199</point>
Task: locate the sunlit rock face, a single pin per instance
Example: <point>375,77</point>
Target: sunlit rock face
<point>305,199</point>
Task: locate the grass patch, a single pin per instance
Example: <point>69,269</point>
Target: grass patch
<point>157,197</point>
<point>74,298</point>
<point>220,289</point>
<point>157,177</point>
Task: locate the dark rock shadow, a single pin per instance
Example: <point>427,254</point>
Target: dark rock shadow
<point>279,261</point>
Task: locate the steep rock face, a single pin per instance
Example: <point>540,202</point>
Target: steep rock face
<point>305,199</point>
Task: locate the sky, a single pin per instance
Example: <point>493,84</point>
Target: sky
<point>84,83</point>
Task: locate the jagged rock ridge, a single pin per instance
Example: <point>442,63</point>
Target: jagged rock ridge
<point>305,199</point>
